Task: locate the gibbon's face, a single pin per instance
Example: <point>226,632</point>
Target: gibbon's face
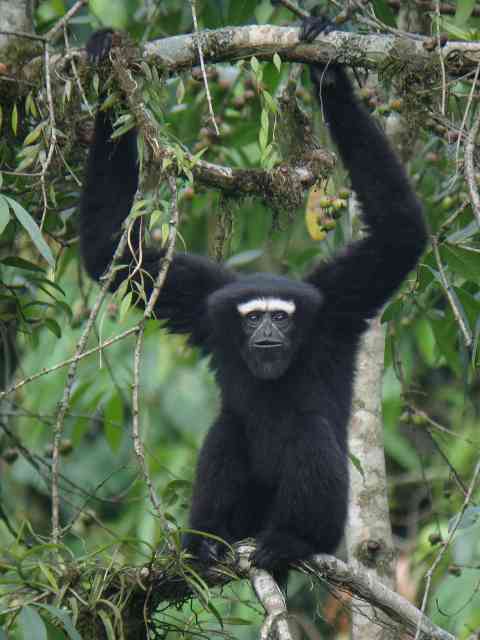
<point>268,327</point>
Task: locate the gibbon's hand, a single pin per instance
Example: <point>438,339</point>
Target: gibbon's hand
<point>323,75</point>
<point>329,78</point>
<point>99,45</point>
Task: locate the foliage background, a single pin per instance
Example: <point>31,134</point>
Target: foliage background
<point>431,388</point>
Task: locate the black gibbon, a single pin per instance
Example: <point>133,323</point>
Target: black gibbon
<point>274,465</point>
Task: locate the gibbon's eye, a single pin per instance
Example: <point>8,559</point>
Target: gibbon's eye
<point>253,317</point>
<point>279,316</point>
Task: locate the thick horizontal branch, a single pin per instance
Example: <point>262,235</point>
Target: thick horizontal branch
<point>235,43</point>
<point>265,183</point>
<point>229,44</point>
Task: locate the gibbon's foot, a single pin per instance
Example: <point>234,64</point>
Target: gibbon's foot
<point>99,45</point>
<point>276,549</point>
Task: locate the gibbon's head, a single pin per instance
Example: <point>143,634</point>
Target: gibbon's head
<point>264,319</point>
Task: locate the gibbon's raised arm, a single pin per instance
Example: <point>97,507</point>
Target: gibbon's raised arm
<point>109,187</point>
<point>360,279</point>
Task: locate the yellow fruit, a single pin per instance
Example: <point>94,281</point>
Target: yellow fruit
<point>314,229</point>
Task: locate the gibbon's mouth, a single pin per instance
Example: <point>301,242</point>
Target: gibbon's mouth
<point>268,344</point>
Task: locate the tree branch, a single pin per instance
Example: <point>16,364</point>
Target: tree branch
<point>235,43</point>
<point>357,582</point>
<point>374,51</point>
<point>162,584</point>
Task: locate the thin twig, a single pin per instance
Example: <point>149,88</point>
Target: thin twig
<point>157,287</point>
<point>450,466</point>
<point>43,467</point>
<point>78,82</point>
<point>467,110</point>
<point>470,166</point>
<point>64,363</point>
<point>61,23</point>
<point>446,544</point>
<point>202,65</point>
<point>294,8</point>
<point>439,427</point>
<point>67,392</point>
<point>467,334</point>
<point>440,57</point>
<point>53,132</point>
<point>23,34</point>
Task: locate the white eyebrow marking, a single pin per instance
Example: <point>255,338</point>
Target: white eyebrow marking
<point>266,304</point>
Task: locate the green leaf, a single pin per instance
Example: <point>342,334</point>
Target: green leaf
<point>465,233</point>
<point>35,134</point>
<point>180,93</point>
<point>31,227</point>
<point>470,306</point>
<point>125,305</point>
<point>456,32</point>
<point>476,342</point>
<point>270,102</point>
<point>14,119</point>
<point>51,10</point>
<point>96,82</point>
<point>393,311</point>
<point>20,263</point>
<point>125,117</point>
<point>113,415</point>
<point>255,65</point>
<point>445,330</point>
<point>263,138</point>
<point>264,120</point>
<point>464,262</point>
<point>109,101</point>
<point>64,618</point>
<point>3,635</point>
<point>32,625</point>
<point>215,612</point>
<point>384,13</point>
<point>43,283</point>
<point>30,106</point>
<point>4,214</point>
<point>464,11</point>
<point>49,575</point>
<point>277,61</point>
<point>53,326</point>
<point>357,464</point>
<point>118,133</point>
<point>426,341</point>
<point>107,623</point>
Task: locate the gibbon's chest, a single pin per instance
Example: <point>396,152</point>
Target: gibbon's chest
<point>276,441</point>
<point>282,427</point>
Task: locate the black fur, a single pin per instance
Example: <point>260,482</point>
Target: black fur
<point>274,465</point>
